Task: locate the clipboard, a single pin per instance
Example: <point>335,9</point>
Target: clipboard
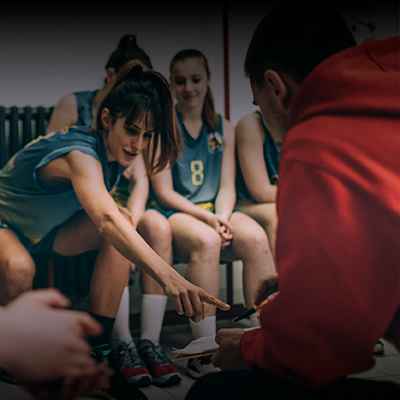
<point>198,348</point>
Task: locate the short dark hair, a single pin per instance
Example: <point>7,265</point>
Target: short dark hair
<point>127,50</point>
<point>294,37</point>
<point>135,92</point>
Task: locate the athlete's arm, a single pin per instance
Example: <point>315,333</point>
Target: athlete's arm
<point>226,198</point>
<point>64,115</point>
<point>139,185</point>
<point>249,145</point>
<point>86,176</point>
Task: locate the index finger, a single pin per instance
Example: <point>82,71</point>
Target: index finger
<point>207,298</point>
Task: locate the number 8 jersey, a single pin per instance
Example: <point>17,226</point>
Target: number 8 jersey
<point>197,172</point>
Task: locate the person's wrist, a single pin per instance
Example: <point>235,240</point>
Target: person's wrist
<point>224,215</point>
<point>166,275</point>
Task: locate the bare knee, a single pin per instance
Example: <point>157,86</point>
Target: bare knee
<point>17,274</point>
<point>207,244</point>
<point>252,244</point>
<point>18,268</point>
<point>155,228</point>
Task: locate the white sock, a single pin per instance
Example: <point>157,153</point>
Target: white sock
<point>121,329</point>
<point>152,315</point>
<point>205,327</point>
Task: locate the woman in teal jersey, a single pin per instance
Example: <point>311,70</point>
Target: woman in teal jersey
<point>79,108</point>
<point>54,197</point>
<point>197,195</point>
<point>258,153</point>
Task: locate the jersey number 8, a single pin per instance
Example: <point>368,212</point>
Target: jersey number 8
<point>197,169</point>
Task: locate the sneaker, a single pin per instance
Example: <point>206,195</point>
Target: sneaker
<point>101,352</point>
<point>163,371</point>
<point>126,360</point>
<point>198,367</point>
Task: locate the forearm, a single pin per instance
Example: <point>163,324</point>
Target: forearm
<point>264,194</point>
<point>136,203</point>
<point>225,203</point>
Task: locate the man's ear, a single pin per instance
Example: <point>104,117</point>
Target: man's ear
<point>106,119</point>
<point>276,85</point>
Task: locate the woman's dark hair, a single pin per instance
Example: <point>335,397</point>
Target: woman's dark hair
<point>126,51</point>
<point>294,37</point>
<point>136,92</point>
<point>209,114</point>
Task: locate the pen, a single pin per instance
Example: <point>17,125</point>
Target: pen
<point>270,287</point>
<point>245,314</point>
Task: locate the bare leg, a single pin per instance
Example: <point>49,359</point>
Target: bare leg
<point>200,244</point>
<point>251,245</point>
<point>265,214</point>
<point>156,231</point>
<point>17,267</point>
<point>111,272</point>
<point>109,279</point>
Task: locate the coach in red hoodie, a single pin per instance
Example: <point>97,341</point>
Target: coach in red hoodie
<point>337,108</point>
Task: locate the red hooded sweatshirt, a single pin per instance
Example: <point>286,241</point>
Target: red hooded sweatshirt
<point>338,243</point>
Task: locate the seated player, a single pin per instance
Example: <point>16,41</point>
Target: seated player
<point>257,152</point>
<point>54,197</point>
<point>79,108</point>
<point>197,195</point>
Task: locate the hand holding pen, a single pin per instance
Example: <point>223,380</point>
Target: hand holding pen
<point>268,288</point>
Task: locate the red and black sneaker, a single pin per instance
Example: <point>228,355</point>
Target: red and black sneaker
<point>126,360</point>
<point>163,371</point>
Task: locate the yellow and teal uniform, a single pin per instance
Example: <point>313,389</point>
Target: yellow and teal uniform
<point>197,172</point>
<point>34,209</point>
<point>84,107</point>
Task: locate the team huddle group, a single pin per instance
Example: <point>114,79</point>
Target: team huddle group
<point>146,172</point>
<point>187,209</point>
<point>177,192</point>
